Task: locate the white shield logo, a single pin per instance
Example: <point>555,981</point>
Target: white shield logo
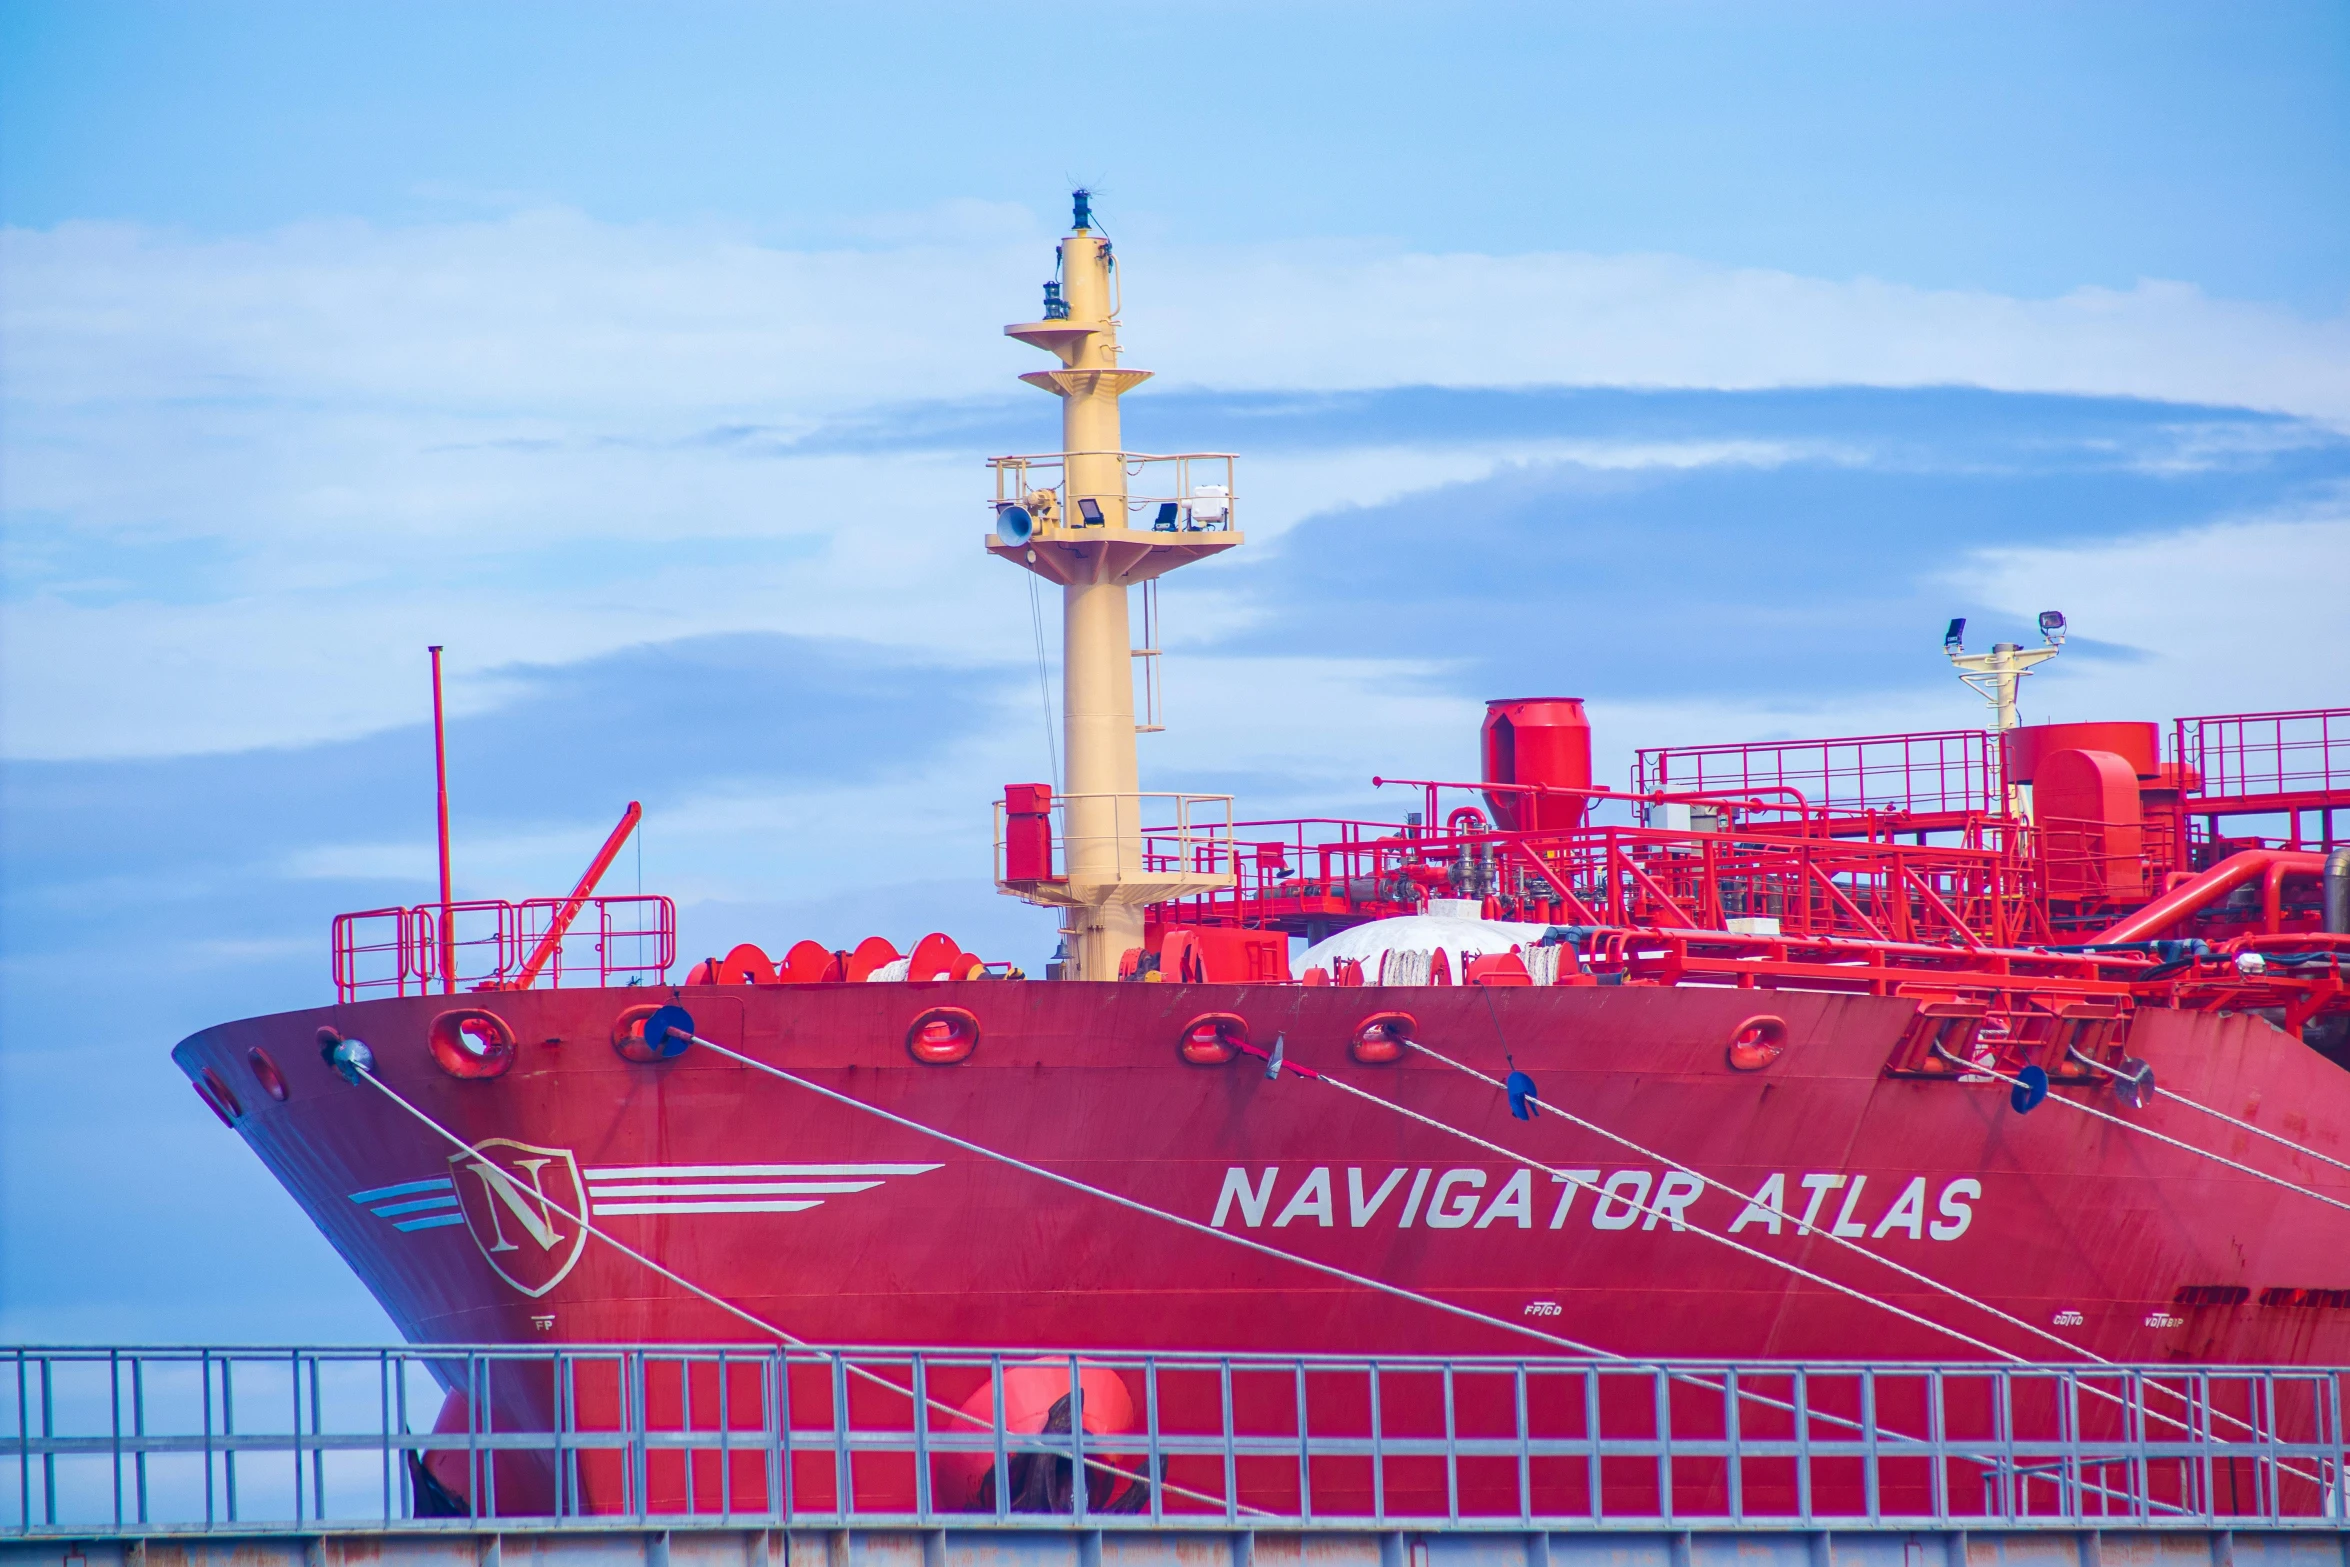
<point>518,1201</point>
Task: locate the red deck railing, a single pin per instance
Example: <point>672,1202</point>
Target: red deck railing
<point>396,951</point>
<point>2268,763</point>
<point>1930,778</point>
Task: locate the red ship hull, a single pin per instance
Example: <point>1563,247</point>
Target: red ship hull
<point>2082,1228</point>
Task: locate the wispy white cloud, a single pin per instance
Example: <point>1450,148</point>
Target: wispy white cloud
<point>553,311</point>
<point>1314,317</point>
<point>2247,612</point>
<point>318,634</point>
<point>246,479</point>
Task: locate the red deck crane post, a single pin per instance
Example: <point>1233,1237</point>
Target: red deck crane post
<point>561,924</point>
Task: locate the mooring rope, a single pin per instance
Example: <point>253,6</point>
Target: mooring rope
<point>1132,1205</point>
<point>2091,1355</point>
<point>877,1379</point>
<point>1678,1221</point>
<point>1381,1286</point>
<point>1044,684</point>
<point>1905,1271</point>
<point>793,1339</point>
<point>2148,1131</point>
<point>2217,1114</point>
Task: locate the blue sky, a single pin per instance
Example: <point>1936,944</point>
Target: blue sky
<point>2030,148</point>
<point>1697,359</point>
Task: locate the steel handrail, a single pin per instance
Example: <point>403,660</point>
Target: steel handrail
<point>2060,1429</point>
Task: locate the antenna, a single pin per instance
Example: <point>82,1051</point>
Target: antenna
<point>1997,673</point>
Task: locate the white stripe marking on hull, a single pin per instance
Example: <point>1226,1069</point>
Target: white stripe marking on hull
<point>603,1208</point>
<point>658,1172</point>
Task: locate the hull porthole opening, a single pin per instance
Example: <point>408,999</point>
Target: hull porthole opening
<point>942,1036</point>
<point>1756,1043</point>
<point>1213,1038</point>
<point>265,1072</point>
<point>216,1093</point>
<point>213,1105</point>
<point>471,1042</point>
<point>1381,1037</point>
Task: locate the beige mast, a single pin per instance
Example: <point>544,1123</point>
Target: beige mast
<point>1068,516</point>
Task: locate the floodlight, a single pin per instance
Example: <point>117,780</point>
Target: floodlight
<point>2051,625</point>
<point>1954,639</point>
<point>1164,522</point>
<point>1091,510</point>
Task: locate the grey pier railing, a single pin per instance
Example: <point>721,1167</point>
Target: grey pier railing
<point>751,1456</point>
